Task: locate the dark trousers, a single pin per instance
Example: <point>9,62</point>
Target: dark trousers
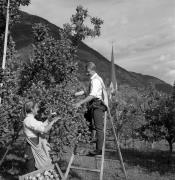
<point>98,117</point>
<point>89,118</point>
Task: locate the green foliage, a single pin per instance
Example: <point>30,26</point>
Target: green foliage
<point>14,17</point>
<point>126,112</point>
<point>58,98</point>
<point>159,113</point>
<point>52,61</point>
<point>14,9</point>
<point>50,77</point>
<point>173,92</point>
<point>11,104</point>
<point>78,29</point>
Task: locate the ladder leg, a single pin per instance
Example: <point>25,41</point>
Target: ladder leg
<point>117,144</point>
<point>68,167</point>
<point>59,170</point>
<point>103,149</point>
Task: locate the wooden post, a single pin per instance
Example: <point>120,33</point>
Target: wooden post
<point>5,42</point>
<point>6,36</point>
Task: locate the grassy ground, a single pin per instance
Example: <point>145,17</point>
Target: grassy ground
<point>140,165</point>
<point>152,161</point>
<point>149,165</point>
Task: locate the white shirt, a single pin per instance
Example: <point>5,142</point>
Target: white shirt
<point>96,86</point>
<point>32,127</point>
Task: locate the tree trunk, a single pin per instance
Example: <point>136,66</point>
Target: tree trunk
<point>125,142</point>
<point>133,143</point>
<point>170,147</point>
<point>170,142</point>
<point>9,146</point>
<point>152,145</point>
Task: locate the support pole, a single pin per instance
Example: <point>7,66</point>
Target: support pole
<point>6,36</point>
<point>5,42</point>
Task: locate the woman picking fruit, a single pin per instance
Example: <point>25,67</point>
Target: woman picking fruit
<point>37,151</point>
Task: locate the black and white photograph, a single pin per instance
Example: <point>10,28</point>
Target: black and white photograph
<point>87,89</point>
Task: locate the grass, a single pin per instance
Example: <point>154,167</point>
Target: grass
<point>151,161</point>
<point>149,165</point>
<point>140,164</point>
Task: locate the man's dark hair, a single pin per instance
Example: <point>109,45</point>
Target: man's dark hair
<point>91,65</point>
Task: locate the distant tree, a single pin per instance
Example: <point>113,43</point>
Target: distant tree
<point>126,112</point>
<point>159,113</point>
<point>173,92</point>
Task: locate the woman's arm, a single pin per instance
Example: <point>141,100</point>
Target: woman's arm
<point>50,124</point>
<point>39,126</point>
<point>46,122</point>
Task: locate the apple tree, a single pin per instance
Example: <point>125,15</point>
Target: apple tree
<point>51,77</point>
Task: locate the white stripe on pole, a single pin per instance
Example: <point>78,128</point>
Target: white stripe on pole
<point>5,42</point>
<point>6,36</point>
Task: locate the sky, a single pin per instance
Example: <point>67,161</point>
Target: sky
<point>142,31</point>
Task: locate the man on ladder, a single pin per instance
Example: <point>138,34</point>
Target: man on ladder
<point>96,104</point>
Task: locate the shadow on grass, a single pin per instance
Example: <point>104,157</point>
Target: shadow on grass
<point>151,161</point>
<point>14,164</point>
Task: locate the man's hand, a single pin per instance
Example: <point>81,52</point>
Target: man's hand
<point>80,93</point>
<point>77,105</point>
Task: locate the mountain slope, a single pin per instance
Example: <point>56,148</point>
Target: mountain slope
<point>22,35</point>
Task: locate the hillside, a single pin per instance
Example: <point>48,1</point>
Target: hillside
<point>22,35</point>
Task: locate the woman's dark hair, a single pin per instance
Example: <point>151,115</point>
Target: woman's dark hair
<point>28,106</point>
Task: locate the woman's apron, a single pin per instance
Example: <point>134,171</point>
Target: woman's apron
<point>40,152</point>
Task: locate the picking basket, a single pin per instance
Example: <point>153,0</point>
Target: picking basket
<point>51,172</point>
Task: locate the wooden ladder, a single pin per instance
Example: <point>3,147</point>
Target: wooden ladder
<point>101,170</point>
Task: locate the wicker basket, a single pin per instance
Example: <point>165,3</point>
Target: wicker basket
<point>34,173</point>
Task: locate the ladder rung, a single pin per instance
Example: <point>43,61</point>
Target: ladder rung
<point>111,150</point>
<point>109,140</point>
<point>85,169</point>
<point>99,158</point>
<point>107,159</point>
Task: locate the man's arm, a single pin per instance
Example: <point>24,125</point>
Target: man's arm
<point>95,85</point>
<point>79,93</point>
<point>86,100</point>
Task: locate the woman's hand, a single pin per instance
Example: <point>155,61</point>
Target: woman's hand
<point>55,119</point>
